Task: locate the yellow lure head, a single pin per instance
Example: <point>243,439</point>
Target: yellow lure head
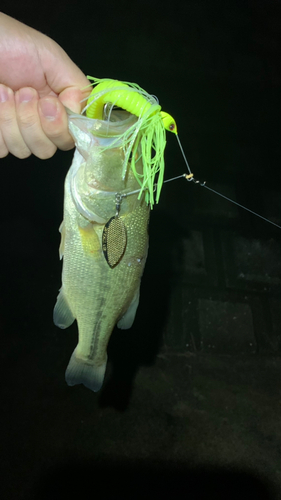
<point>169,122</point>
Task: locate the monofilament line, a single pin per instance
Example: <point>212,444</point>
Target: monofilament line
<point>210,189</point>
<point>241,206</point>
<point>203,184</point>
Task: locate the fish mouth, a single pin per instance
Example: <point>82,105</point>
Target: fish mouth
<point>96,175</point>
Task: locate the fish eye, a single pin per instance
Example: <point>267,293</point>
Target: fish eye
<point>172,126</point>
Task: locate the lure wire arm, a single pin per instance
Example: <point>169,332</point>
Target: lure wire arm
<point>183,154</point>
<point>190,178</point>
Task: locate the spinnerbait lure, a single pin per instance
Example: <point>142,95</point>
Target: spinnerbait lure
<point>149,131</point>
<point>146,138</point>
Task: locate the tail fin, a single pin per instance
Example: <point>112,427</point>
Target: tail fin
<point>81,372</point>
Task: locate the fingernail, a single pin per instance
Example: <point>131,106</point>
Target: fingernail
<point>4,96</point>
<point>25,95</point>
<point>49,109</point>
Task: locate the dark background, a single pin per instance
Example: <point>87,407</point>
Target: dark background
<point>215,67</point>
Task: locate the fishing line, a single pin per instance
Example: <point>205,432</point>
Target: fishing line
<point>203,184</point>
<point>190,177</point>
<point>242,206</point>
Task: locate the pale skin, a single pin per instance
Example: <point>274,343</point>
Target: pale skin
<point>37,79</point>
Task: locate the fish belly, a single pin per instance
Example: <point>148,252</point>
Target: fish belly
<point>94,294</point>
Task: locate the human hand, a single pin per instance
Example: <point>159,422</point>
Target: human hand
<point>37,79</point>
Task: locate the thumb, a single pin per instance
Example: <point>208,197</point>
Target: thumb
<point>63,77</point>
<point>71,97</point>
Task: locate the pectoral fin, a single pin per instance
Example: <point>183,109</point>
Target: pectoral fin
<point>127,320</point>
<point>62,239</point>
<point>62,315</point>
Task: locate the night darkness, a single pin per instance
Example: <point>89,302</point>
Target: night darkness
<point>190,406</point>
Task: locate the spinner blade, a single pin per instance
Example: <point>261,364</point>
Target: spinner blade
<point>114,240</point>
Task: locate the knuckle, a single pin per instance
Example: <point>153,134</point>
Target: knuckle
<point>7,119</point>
<point>64,142</point>
<point>46,153</point>
<point>27,120</point>
<point>67,146</point>
<point>22,153</point>
<point>55,133</point>
<point>13,143</point>
<point>7,113</point>
<point>3,148</point>
<point>3,152</point>
<point>59,136</point>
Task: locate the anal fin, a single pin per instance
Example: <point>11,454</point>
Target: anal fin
<point>127,320</point>
<point>62,240</point>
<point>62,314</point>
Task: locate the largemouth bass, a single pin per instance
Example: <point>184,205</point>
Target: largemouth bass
<point>115,177</point>
<point>96,292</point>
